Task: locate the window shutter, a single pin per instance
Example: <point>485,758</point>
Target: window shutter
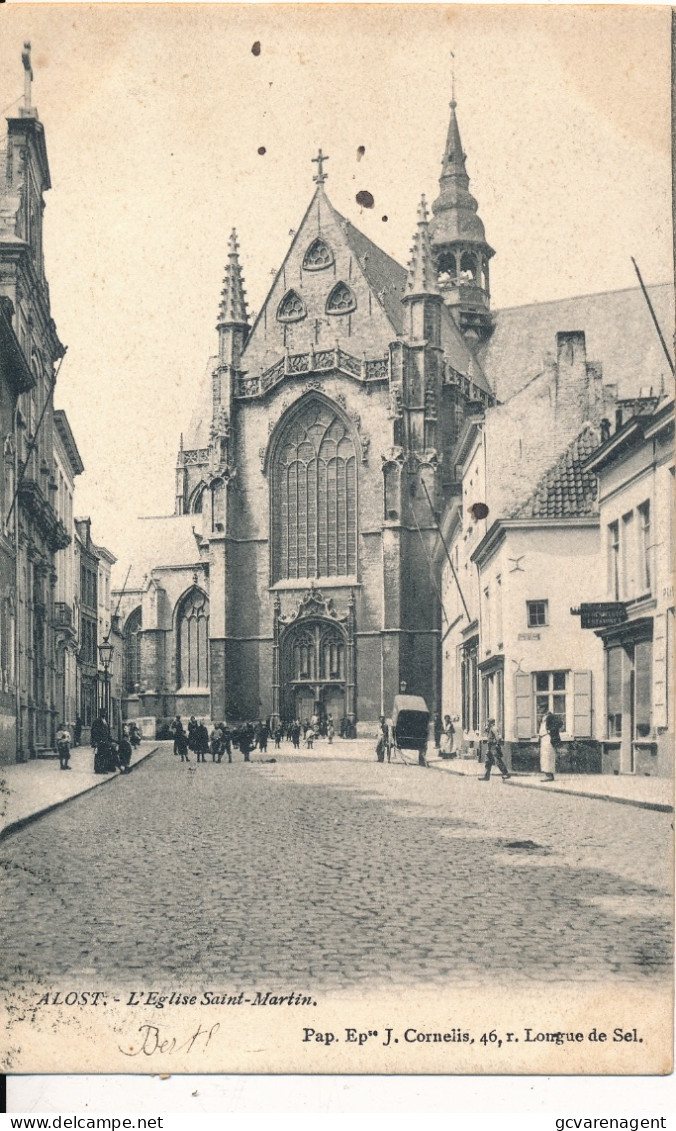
<point>524,705</point>
<point>582,704</point>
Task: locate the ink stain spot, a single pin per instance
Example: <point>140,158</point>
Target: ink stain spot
<point>256,49</point>
<point>479,511</point>
<point>365,199</point>
<point>361,150</point>
<point>384,219</point>
<point>262,150</point>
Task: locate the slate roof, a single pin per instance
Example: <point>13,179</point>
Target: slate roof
<point>166,541</point>
<point>619,334</point>
<point>387,279</point>
<point>196,434</point>
<point>568,488</point>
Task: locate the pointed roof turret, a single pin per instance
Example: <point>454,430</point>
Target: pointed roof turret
<point>422,272</point>
<point>232,311</point>
<point>455,209</point>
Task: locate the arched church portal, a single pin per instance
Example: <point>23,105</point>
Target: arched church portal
<point>314,673</point>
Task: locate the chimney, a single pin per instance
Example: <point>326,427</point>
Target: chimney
<point>571,349</point>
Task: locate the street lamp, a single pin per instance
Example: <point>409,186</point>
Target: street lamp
<point>106,650</point>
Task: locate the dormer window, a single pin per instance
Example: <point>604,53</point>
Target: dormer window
<point>341,300</point>
<point>291,308</point>
<point>318,256</point>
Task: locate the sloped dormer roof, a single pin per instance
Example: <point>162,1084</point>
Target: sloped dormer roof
<point>568,488</point>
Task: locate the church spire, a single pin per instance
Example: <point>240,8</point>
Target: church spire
<point>233,320</point>
<point>459,240</point>
<point>422,274</point>
<point>233,310</point>
<point>453,162</point>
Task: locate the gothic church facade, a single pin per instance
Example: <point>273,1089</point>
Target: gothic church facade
<point>297,571</point>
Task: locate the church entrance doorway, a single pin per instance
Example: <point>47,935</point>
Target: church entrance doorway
<point>313,660</point>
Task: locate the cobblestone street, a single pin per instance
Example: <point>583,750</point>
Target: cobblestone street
<point>326,869</point>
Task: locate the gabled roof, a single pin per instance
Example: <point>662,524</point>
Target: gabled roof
<point>197,432</point>
<point>618,330</point>
<point>568,489</point>
<point>386,277</point>
<point>165,542</point>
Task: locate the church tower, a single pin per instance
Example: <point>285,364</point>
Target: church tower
<point>459,242</point>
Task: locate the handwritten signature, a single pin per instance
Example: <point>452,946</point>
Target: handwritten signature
<point>152,1040</point>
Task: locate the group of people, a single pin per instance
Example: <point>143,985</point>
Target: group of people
<point>549,734</point>
<point>295,731</point>
<point>222,740</point>
<point>114,755</point>
<point>109,755</point>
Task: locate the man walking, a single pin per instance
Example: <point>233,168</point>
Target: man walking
<point>494,753</point>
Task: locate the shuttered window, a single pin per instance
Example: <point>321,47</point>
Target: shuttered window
<point>314,497</point>
<point>536,693</point>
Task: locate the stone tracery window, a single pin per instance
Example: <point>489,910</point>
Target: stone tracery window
<point>132,652</point>
<point>317,652</point>
<point>318,255</point>
<point>341,300</point>
<point>314,496</point>
<point>291,308</point>
<point>193,640</point>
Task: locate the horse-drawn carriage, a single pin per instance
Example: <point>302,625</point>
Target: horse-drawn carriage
<point>408,728</point>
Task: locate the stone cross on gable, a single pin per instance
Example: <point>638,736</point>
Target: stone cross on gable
<point>319,162</point>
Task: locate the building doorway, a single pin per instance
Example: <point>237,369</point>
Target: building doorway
<point>313,681</point>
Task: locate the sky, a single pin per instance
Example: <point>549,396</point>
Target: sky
<point>154,118</point>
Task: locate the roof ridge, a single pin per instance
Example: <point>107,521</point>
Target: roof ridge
<point>575,298</point>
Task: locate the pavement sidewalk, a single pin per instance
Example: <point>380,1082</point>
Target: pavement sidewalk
<point>30,789</point>
<point>623,789</point>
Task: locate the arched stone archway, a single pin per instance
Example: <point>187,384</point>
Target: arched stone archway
<point>314,669</point>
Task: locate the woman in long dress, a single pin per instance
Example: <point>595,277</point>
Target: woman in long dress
<point>549,740</point>
<point>447,737</point>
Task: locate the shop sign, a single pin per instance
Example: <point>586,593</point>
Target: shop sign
<point>601,614</point>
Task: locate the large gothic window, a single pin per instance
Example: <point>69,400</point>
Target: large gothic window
<point>132,652</point>
<point>314,496</point>
<point>193,640</point>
